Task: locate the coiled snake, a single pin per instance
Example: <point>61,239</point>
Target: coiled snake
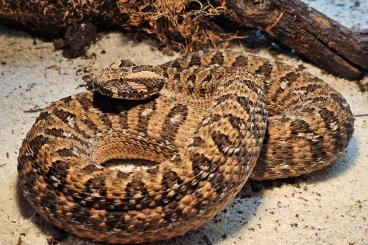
<point>200,126</point>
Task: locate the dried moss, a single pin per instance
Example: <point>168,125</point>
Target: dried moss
<point>181,25</point>
<point>53,17</point>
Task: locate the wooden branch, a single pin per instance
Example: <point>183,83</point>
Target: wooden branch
<point>321,40</point>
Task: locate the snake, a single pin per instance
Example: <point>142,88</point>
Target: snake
<point>193,130</point>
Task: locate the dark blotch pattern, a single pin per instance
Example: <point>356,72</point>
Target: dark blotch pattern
<point>56,175</point>
<point>329,119</point>
<point>218,58</point>
<point>144,118</point>
<point>240,61</point>
<point>316,144</point>
<point>176,116</point>
<point>43,116</point>
<point>265,70</point>
<point>223,142</point>
<point>66,152</point>
<point>64,115</point>
<point>56,132</point>
<point>194,60</point>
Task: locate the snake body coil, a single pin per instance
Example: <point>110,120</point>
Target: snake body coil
<point>200,126</point>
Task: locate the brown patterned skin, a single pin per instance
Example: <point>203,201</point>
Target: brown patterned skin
<point>218,114</point>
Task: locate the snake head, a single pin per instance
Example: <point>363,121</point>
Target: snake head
<point>128,81</point>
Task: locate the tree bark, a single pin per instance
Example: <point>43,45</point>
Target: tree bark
<point>321,40</point>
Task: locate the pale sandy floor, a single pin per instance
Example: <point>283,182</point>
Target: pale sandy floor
<point>329,207</point>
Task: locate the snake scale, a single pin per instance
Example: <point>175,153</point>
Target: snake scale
<point>198,126</point>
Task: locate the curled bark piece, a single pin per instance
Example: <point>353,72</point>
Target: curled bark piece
<point>52,18</point>
<point>321,40</point>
